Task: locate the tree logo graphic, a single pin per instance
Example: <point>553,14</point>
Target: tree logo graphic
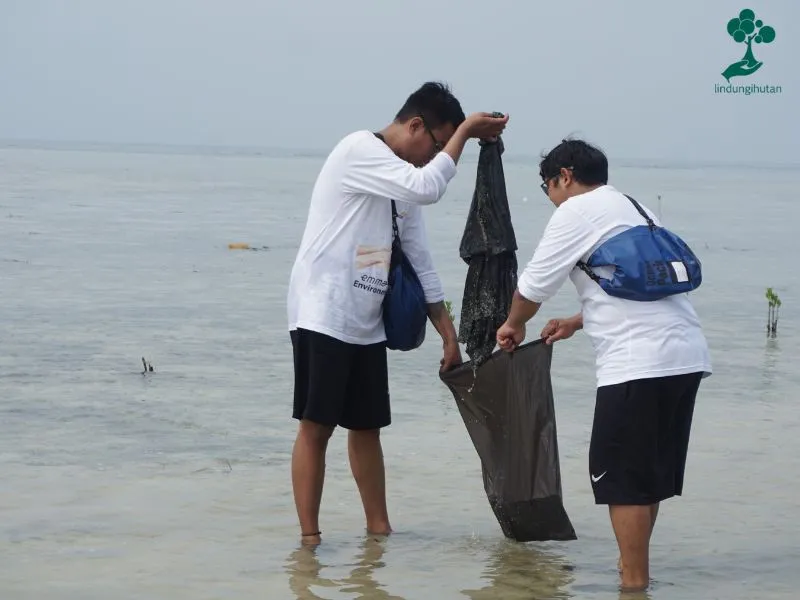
<point>745,29</point>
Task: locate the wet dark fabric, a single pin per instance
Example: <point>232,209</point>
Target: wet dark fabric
<point>488,246</point>
<point>507,407</point>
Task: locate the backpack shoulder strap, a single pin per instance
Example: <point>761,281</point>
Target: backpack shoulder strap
<point>642,212</point>
<point>395,230</point>
<point>585,268</point>
<point>592,275</point>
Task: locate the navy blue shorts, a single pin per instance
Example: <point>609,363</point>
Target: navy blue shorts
<point>336,383</point>
<point>640,439</point>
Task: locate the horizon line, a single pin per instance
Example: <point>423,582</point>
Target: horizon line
<point>285,152</point>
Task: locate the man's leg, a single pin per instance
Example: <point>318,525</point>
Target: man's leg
<point>621,462</point>
<point>651,440</point>
<point>321,367</point>
<point>676,398</point>
<point>366,412</point>
<point>653,517</point>
<point>366,462</point>
<point>308,476</point>
<point>632,527</point>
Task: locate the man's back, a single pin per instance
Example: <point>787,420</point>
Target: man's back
<point>633,340</point>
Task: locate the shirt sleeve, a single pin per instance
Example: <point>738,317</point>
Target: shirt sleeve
<point>374,169</point>
<point>414,239</point>
<point>566,239</point>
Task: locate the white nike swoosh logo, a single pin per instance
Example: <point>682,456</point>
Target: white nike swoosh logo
<point>599,477</point>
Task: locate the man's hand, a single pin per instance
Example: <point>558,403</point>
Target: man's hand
<point>440,317</point>
<point>561,329</point>
<point>483,125</point>
<point>480,125</point>
<point>452,356</point>
<point>509,336</point>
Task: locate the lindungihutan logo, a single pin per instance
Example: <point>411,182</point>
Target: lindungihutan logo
<point>747,30</point>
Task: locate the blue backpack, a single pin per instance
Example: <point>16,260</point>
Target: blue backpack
<point>650,263</point>
<point>405,312</point>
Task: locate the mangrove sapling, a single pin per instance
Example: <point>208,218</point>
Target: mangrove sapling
<point>773,308</point>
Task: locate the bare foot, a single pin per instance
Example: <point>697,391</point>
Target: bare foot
<point>382,531</point>
<point>619,565</point>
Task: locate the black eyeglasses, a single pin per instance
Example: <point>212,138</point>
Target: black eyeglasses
<point>437,145</point>
<point>544,185</point>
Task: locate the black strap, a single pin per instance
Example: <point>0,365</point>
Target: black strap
<point>583,267</point>
<point>395,230</point>
<point>638,207</point>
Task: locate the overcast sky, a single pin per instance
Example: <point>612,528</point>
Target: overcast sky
<point>635,77</point>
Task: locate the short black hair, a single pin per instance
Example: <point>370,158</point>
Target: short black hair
<point>435,103</point>
<point>589,164</point>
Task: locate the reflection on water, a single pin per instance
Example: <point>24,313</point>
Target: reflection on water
<point>517,572</point>
<point>635,596</point>
<point>513,572</point>
<point>769,370</point>
<point>304,567</point>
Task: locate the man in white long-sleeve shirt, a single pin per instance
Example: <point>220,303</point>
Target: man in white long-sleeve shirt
<point>339,280</point>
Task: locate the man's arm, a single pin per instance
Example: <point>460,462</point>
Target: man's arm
<point>438,315</point>
<point>455,145</point>
<point>522,310</point>
<point>374,169</point>
<point>414,239</point>
<point>566,239</point>
<point>451,352</point>
<point>577,321</point>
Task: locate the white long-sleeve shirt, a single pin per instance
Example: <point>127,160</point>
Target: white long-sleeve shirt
<point>340,274</point>
<point>632,340</point>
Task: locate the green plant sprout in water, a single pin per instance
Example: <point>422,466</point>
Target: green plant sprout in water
<point>746,29</point>
<point>772,313</point>
<point>449,306</point>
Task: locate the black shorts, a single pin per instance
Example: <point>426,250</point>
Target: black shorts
<point>336,383</point>
<point>640,438</point>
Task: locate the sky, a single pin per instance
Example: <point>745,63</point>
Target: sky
<point>636,78</point>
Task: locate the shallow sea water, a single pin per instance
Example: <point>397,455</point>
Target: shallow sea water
<point>175,484</point>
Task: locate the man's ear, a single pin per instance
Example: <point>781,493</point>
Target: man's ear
<point>415,124</point>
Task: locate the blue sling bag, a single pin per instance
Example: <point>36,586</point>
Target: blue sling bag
<point>405,312</point>
<point>650,263</point>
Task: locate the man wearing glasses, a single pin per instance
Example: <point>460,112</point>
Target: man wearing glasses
<point>339,280</point>
<point>650,356</point>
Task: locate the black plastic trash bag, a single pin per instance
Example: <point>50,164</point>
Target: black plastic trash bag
<point>489,247</point>
<point>507,406</point>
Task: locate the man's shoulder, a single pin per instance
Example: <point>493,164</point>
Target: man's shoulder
<point>357,139</point>
<point>604,201</point>
<point>595,199</point>
<point>568,212</point>
<point>358,147</point>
